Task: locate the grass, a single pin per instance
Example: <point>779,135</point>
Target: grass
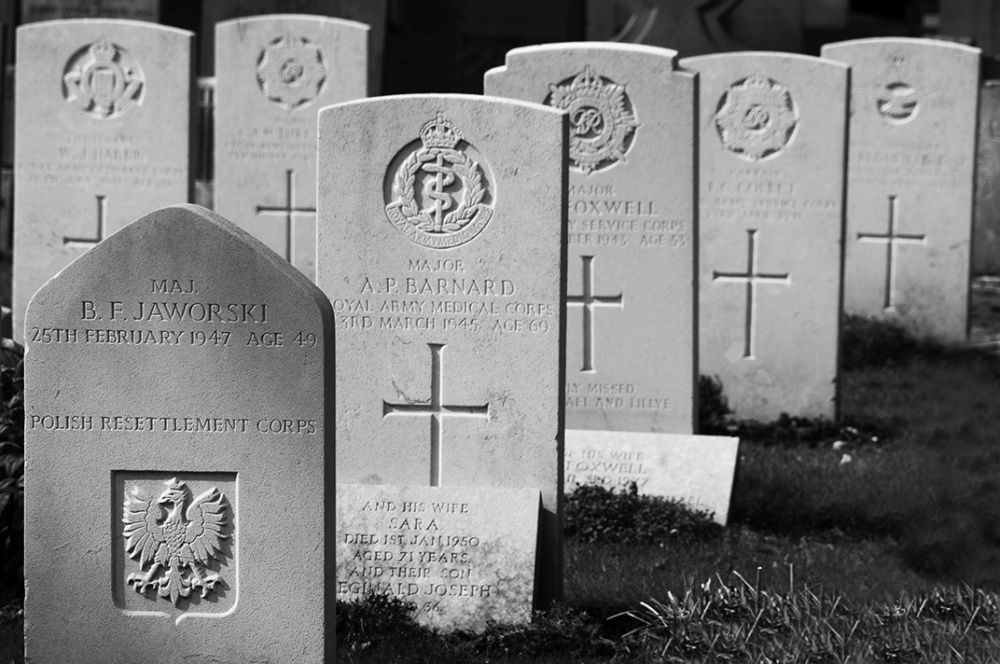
<point>873,539</point>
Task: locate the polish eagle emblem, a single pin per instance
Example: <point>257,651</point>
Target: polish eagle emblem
<point>184,538</point>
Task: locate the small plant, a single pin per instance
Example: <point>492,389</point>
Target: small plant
<point>363,623</point>
<point>12,462</point>
<point>594,513</point>
<point>713,407</point>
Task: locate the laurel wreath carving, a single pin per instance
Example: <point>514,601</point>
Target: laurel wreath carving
<point>461,165</point>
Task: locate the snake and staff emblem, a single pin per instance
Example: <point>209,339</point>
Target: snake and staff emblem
<point>440,195</point>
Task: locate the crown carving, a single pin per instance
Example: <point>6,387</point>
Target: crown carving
<point>103,50</point>
<point>440,133</point>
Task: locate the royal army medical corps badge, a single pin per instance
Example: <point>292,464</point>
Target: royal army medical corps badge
<point>602,119</point>
<point>104,81</point>
<point>756,118</point>
<point>441,194</point>
<point>291,72</point>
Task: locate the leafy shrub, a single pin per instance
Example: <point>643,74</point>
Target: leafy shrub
<point>713,407</point>
<point>362,623</point>
<point>12,462</point>
<point>594,513</point>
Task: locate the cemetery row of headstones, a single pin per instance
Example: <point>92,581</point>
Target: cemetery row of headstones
<point>500,274</point>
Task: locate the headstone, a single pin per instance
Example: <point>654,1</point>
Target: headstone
<point>273,73</point>
<point>910,183</point>
<point>697,470</point>
<point>772,135</point>
<point>631,360</point>
<point>102,133</point>
<point>440,245</point>
<point>193,366</point>
<point>369,12</point>
<point>463,557</point>
<point>986,226</point>
<point>33,11</point>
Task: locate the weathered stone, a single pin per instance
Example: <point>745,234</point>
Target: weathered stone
<point>273,75</point>
<point>631,322</point>
<point>102,133</point>
<point>441,219</point>
<point>178,380</point>
<point>464,557</point>
<point>772,136</point>
<point>910,182</point>
<point>372,13</point>
<point>697,470</point>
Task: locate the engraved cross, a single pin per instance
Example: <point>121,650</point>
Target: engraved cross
<point>102,227</point>
<point>891,240</point>
<point>588,301</point>
<point>751,278</point>
<point>289,212</point>
<point>436,409</point>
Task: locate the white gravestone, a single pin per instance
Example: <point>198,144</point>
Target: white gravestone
<point>631,361</point>
<point>697,470</point>
<point>179,437</point>
<point>102,135</point>
<point>464,557</point>
<point>772,133</point>
<point>273,74</point>
<point>911,165</point>
<point>440,246</point>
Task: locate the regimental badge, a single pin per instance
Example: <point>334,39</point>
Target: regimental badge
<point>104,81</point>
<point>602,119</point>
<point>896,102</point>
<point>291,72</point>
<point>177,540</point>
<point>441,194</point>
<point>756,118</point>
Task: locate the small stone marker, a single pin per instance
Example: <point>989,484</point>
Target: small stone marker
<point>196,514</point>
<point>463,557</point>
<point>986,228</point>
<point>698,470</point>
<point>772,136</point>
<point>102,136</point>
<point>631,322</point>
<point>441,218</point>
<point>273,75</point>
<point>910,182</point>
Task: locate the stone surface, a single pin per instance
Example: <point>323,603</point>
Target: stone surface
<point>986,224</point>
<point>444,263</point>
<point>273,74</point>
<point>49,10</point>
<point>696,469</point>
<point>166,353</point>
<point>910,182</point>
<point>631,360</point>
<point>98,143</point>
<point>772,137</point>
<point>464,557</point>
<point>370,12</point>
